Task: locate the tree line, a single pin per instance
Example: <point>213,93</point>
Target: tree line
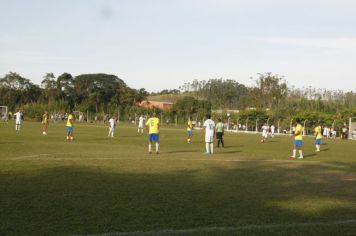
<point>269,98</point>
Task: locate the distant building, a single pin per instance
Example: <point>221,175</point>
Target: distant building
<point>156,104</point>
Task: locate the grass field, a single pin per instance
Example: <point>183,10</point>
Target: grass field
<point>97,185</point>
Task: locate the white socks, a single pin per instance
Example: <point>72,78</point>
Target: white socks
<point>300,154</point>
<point>209,148</point>
<point>150,147</point>
<point>317,148</point>
<point>294,153</point>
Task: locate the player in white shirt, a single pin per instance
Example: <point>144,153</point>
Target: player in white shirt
<point>209,128</point>
<point>141,124</point>
<point>265,129</point>
<point>18,120</point>
<point>112,126</point>
<point>273,129</point>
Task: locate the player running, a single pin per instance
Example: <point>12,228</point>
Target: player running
<point>298,140</point>
<point>318,136</point>
<point>45,123</point>
<point>152,125</point>
<point>141,124</point>
<point>112,126</point>
<point>265,129</point>
<point>18,120</point>
<point>189,130</point>
<point>209,128</point>
<point>70,122</point>
<point>220,133</point>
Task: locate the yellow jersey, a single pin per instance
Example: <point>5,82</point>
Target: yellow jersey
<point>70,120</point>
<point>44,119</point>
<point>153,125</point>
<point>189,125</point>
<point>299,129</point>
<point>317,132</point>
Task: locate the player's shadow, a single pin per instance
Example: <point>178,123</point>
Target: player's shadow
<point>223,151</point>
<point>310,155</point>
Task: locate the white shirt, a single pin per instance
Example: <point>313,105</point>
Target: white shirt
<point>141,121</point>
<point>265,129</point>
<point>272,128</point>
<point>209,126</point>
<point>18,117</point>
<point>112,123</point>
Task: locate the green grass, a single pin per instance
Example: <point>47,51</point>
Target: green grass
<point>98,185</point>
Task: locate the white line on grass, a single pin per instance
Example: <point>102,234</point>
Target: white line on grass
<point>226,229</point>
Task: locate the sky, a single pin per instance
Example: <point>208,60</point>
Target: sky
<point>161,44</point>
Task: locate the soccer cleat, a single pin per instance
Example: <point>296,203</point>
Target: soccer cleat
<point>292,157</point>
<point>149,152</point>
<point>300,158</point>
<point>157,152</point>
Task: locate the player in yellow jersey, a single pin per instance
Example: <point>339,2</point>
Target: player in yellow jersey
<point>298,140</point>
<point>152,125</point>
<point>70,122</point>
<point>190,129</point>
<point>44,123</point>
<point>318,136</point>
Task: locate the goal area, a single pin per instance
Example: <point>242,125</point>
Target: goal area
<point>3,113</point>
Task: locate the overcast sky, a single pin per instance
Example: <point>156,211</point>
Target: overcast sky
<point>158,44</point>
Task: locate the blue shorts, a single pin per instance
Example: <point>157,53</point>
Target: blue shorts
<point>190,132</point>
<point>153,137</point>
<point>318,141</point>
<point>298,143</point>
<point>69,129</point>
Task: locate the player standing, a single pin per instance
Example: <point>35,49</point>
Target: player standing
<point>189,130</point>
<point>112,126</point>
<point>44,123</point>
<point>70,122</point>
<point>318,136</point>
<point>265,129</point>
<point>18,120</point>
<point>141,124</point>
<point>153,132</point>
<point>209,128</point>
<point>220,133</point>
<point>298,140</point>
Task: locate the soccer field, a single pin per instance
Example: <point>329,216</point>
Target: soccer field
<point>96,185</point>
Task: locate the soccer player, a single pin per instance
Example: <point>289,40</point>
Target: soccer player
<point>18,120</point>
<point>298,140</point>
<point>141,124</point>
<point>152,125</point>
<point>354,134</point>
<point>318,136</point>
<point>70,122</point>
<point>209,128</point>
<point>44,123</point>
<point>189,129</point>
<point>112,126</point>
<point>220,133</point>
<point>265,129</point>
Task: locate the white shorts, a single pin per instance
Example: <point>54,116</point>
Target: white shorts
<point>209,139</point>
<point>264,135</point>
<point>18,122</point>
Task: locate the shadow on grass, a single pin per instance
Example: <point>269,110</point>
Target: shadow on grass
<point>69,200</point>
